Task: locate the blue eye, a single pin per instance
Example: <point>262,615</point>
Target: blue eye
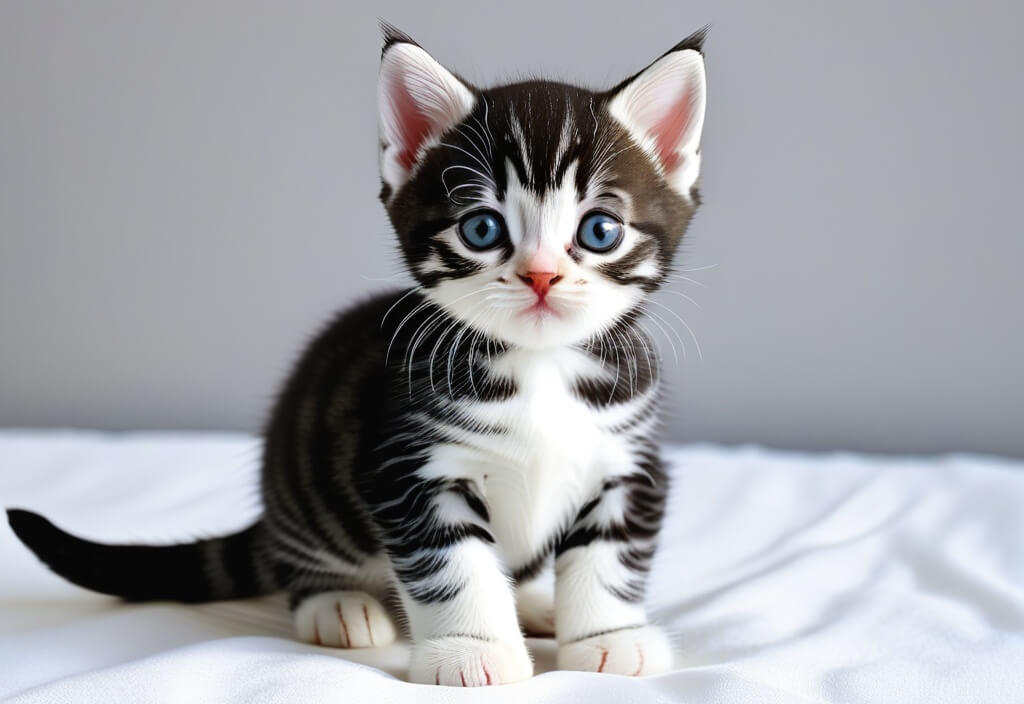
<point>599,232</point>
<point>483,229</point>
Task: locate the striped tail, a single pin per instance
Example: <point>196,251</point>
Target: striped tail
<point>228,567</point>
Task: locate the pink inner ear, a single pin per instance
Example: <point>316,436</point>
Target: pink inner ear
<point>669,130</point>
<point>413,126</point>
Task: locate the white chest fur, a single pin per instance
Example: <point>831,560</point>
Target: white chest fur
<point>553,456</point>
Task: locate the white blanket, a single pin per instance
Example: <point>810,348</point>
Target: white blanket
<point>782,577</point>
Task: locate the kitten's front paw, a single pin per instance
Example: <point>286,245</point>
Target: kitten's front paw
<point>461,661</point>
<point>630,651</point>
<point>344,619</point>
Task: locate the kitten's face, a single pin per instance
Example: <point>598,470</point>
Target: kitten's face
<point>539,213</point>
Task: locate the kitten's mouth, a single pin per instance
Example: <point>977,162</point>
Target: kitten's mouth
<point>540,309</point>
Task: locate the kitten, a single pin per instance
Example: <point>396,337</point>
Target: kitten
<point>436,451</point>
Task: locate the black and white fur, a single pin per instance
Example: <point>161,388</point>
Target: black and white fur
<point>437,451</point>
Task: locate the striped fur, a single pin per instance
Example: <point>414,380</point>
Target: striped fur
<point>442,450</point>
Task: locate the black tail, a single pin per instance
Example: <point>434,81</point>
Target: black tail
<point>228,567</point>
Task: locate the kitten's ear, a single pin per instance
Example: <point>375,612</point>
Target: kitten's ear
<point>662,107</point>
<point>419,100</point>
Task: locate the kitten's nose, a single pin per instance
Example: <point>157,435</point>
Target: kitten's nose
<point>540,281</point>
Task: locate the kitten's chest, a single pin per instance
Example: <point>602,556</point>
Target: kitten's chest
<point>545,423</point>
<point>552,455</point>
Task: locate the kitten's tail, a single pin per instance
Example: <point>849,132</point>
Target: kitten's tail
<point>227,567</point>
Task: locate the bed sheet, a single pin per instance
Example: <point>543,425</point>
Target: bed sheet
<point>782,577</point>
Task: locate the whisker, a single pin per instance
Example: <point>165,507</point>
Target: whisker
<point>681,295</point>
<point>394,336</point>
<point>484,165</point>
<point>626,351</point>
<point>454,346</point>
<point>647,350</point>
<point>696,268</point>
<point>408,293</point>
<point>686,278</point>
<point>696,344</point>
<point>480,151</point>
<point>668,338</point>
<point>427,327</point>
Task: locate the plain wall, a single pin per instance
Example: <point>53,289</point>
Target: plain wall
<point>188,189</point>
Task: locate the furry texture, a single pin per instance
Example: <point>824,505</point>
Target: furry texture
<point>437,453</point>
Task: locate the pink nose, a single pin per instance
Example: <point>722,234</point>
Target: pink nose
<point>540,281</point>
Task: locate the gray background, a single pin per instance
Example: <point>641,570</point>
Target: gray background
<point>187,189</point>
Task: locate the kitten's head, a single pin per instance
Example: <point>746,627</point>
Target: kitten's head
<point>539,212</point>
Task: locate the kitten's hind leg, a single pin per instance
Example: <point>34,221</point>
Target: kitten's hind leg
<point>344,619</point>
<point>535,604</point>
